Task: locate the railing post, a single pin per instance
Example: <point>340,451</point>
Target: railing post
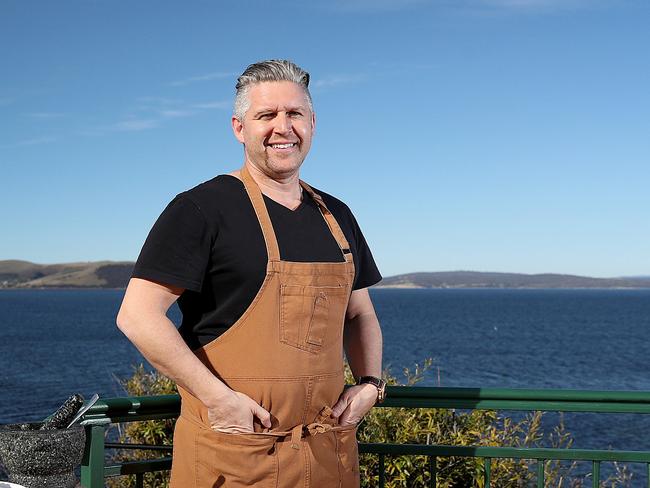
<point>595,472</point>
<point>92,465</point>
<point>487,464</point>
<point>433,469</point>
<point>382,471</point>
<point>540,472</point>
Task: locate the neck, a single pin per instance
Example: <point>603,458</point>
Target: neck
<point>285,189</point>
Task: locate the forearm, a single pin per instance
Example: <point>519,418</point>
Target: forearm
<point>157,339</point>
<point>363,344</point>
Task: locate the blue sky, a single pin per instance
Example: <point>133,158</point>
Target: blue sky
<point>490,135</point>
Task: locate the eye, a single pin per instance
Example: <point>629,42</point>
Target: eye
<point>266,116</point>
<point>295,113</point>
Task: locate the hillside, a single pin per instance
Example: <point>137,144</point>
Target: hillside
<point>472,279</point>
<point>100,274</point>
<point>110,274</point>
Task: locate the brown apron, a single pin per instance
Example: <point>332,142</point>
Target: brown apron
<point>285,352</point>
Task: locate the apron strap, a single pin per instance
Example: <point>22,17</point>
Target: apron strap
<point>262,213</point>
<point>335,229</point>
<point>272,249</point>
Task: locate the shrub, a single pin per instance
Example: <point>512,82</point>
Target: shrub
<point>470,428</point>
<point>153,432</point>
<point>401,426</point>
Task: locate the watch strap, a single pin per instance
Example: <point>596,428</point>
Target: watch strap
<point>378,383</point>
<point>373,380</point>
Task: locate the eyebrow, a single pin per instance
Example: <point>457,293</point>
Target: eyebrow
<point>264,110</point>
<point>275,109</point>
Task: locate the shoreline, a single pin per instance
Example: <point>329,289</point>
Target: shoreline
<point>374,287</point>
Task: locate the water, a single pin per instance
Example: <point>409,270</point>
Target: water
<point>583,339</point>
<point>569,339</point>
<point>57,342</point>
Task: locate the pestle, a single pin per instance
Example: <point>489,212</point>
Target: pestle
<point>64,414</point>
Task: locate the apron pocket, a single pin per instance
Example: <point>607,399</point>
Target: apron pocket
<point>347,451</point>
<point>236,459</point>
<point>311,317</point>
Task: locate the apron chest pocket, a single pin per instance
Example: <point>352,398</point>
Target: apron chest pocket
<point>311,317</point>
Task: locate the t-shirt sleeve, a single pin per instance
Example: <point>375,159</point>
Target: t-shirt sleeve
<point>366,270</point>
<point>177,249</point>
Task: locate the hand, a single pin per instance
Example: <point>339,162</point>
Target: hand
<point>354,403</point>
<point>234,414</point>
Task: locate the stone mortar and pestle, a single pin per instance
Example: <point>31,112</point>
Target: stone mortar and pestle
<point>45,454</point>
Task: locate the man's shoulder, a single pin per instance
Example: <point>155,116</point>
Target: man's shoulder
<point>213,193</point>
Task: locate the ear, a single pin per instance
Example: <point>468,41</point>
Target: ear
<point>313,122</point>
<point>237,128</point>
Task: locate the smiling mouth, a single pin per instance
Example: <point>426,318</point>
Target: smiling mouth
<point>283,146</point>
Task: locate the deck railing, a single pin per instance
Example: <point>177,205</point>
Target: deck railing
<point>116,410</point>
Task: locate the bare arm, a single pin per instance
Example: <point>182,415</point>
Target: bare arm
<point>363,348</point>
<point>143,319</point>
<point>362,336</point>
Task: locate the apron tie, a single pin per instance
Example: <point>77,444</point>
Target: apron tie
<point>321,425</point>
<point>318,428</point>
<point>296,435</point>
<point>324,414</point>
<point>315,428</point>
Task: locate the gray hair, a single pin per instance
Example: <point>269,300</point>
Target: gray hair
<point>271,70</point>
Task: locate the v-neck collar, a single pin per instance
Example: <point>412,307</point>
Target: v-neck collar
<point>285,209</point>
<point>298,209</point>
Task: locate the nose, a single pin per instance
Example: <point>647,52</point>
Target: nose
<point>283,123</point>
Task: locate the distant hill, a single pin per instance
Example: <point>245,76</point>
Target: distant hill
<point>473,279</point>
<point>99,274</point>
<point>111,274</point>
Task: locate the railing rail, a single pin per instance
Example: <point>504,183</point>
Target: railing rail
<point>116,410</point>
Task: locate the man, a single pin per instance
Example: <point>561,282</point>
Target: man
<point>271,277</point>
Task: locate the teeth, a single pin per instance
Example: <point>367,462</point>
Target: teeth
<point>283,146</point>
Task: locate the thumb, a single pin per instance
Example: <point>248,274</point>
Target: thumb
<point>262,414</point>
<point>340,406</point>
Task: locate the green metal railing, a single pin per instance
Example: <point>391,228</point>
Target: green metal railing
<point>115,410</point>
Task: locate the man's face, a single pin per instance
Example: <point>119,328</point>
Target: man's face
<point>277,128</point>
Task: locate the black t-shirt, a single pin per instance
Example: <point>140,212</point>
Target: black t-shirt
<point>209,242</point>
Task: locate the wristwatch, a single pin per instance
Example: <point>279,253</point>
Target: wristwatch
<point>378,383</point>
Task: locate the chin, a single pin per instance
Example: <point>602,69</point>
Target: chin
<point>283,167</point>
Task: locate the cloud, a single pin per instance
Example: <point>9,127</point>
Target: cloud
<point>136,125</point>
<point>207,77</point>
<point>337,80</point>
<point>369,6</point>
<point>171,114</point>
<point>155,112</point>
<point>45,115</point>
<point>159,100</point>
<point>518,4</point>
<point>213,105</point>
<point>171,107</point>
<point>531,5</point>
<point>32,142</point>
<point>379,6</point>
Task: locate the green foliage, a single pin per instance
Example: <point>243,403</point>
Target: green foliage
<point>401,426</point>
<point>471,428</point>
<point>152,432</point>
